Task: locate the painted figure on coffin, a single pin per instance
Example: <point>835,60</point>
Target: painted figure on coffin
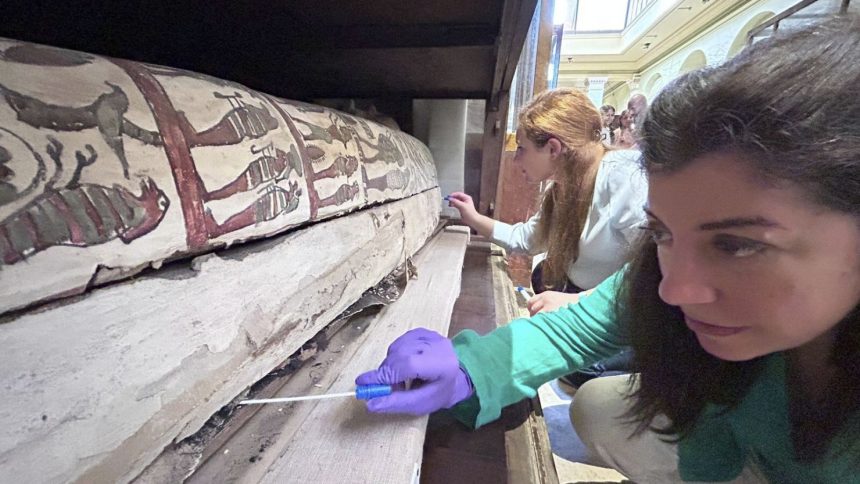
<point>113,164</point>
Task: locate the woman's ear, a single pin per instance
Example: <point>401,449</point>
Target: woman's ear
<point>555,147</point>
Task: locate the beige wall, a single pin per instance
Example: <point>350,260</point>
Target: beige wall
<point>712,46</point>
<point>618,98</point>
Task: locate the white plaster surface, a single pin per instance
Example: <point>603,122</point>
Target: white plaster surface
<point>95,387</point>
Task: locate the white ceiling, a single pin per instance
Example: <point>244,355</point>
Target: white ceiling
<point>665,26</point>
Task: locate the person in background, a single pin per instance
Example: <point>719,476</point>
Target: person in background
<point>615,123</point>
<point>607,115</point>
<point>623,135</point>
<point>589,214</point>
<point>743,305</point>
<point>637,106</point>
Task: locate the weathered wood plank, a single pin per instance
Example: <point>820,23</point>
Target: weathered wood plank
<point>452,452</point>
<point>527,445</point>
<point>250,430</point>
<point>96,386</point>
<point>338,440</point>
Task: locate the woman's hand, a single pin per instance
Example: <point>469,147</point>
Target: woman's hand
<point>465,205</point>
<point>551,300</point>
<point>427,359</point>
<point>482,224</point>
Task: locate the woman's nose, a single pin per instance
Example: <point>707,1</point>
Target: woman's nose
<point>684,282</point>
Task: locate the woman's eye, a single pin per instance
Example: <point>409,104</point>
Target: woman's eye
<point>658,235</point>
<point>738,247</point>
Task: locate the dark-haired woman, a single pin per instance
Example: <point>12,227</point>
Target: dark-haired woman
<point>743,305</point>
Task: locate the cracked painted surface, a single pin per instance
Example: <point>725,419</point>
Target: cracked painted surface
<point>108,167</point>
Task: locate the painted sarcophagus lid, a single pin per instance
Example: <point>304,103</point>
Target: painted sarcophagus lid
<point>109,166</point>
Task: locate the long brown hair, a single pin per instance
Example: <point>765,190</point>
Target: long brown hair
<point>790,103</point>
<point>568,116</point>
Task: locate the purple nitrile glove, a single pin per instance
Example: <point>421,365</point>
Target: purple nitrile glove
<point>419,354</point>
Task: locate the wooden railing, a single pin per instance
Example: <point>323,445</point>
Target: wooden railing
<point>776,19</point>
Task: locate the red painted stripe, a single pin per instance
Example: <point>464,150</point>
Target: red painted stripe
<point>93,213</point>
<point>187,181</point>
<point>9,254</point>
<point>30,224</point>
<point>108,202</point>
<point>77,234</point>
<point>313,195</point>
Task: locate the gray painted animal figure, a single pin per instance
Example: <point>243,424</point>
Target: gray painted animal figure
<point>105,113</point>
<point>82,216</point>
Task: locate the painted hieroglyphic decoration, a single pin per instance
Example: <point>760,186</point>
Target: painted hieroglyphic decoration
<point>108,166</point>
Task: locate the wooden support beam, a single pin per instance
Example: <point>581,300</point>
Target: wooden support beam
<point>438,72</point>
<point>491,153</point>
<point>527,445</point>
<point>516,199</point>
<point>515,448</point>
<point>516,16</point>
<point>544,46</point>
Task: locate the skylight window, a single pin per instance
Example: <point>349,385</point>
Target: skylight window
<point>601,15</point>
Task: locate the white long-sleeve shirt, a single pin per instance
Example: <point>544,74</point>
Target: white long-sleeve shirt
<point>620,193</point>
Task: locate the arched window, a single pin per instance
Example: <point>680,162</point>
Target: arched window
<point>741,39</point>
<point>654,85</point>
<point>695,60</point>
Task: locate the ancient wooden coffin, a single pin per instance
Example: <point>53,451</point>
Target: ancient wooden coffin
<point>109,167</point>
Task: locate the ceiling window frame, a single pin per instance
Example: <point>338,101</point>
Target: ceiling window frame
<point>575,20</point>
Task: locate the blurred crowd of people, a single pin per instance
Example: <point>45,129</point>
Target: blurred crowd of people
<point>619,130</point>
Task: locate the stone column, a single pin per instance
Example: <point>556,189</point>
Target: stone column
<point>635,84</point>
<point>595,89</point>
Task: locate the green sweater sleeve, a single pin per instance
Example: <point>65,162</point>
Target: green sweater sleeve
<point>511,362</point>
